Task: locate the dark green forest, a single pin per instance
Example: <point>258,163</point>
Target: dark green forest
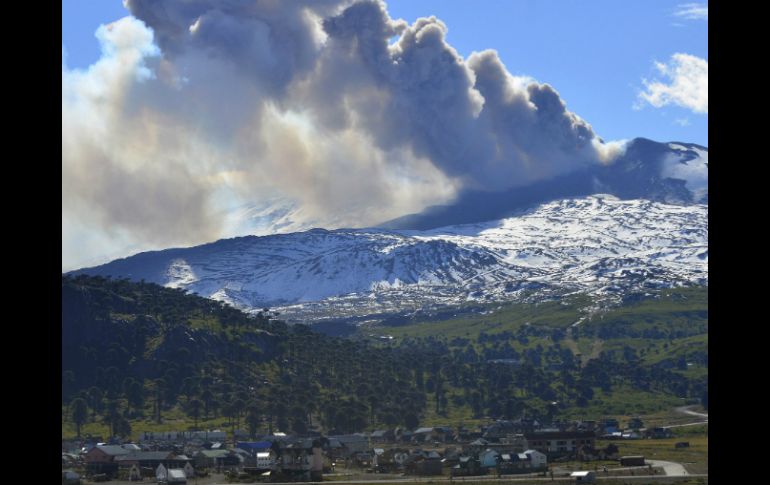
<point>138,356</point>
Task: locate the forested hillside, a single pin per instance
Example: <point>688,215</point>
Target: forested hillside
<point>137,356</point>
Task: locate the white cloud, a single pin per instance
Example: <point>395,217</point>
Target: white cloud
<point>693,11</point>
<point>688,84</point>
<point>682,121</point>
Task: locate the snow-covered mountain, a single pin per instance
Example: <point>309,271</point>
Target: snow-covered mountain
<point>598,244</point>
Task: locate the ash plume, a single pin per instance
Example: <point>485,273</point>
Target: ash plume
<point>199,107</point>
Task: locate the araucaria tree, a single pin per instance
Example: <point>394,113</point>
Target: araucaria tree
<point>79,410</point>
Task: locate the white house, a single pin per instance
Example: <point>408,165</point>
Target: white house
<point>538,460</point>
<point>161,474</point>
<point>189,471</point>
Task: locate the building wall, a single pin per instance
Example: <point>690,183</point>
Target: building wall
<point>266,461</point>
<point>488,459</point>
<point>539,460</point>
<point>98,456</point>
<point>561,445</point>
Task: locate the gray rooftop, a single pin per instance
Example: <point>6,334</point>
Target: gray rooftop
<point>113,450</point>
<point>147,455</point>
<point>214,453</point>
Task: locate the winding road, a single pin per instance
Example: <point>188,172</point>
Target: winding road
<point>688,410</point>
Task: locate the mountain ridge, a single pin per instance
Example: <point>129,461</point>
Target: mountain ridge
<point>597,244</point>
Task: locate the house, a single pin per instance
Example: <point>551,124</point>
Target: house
<point>254,451</point>
<point>334,448</point>
<point>352,443</point>
<point>583,477</point>
<point>391,459</point>
<point>151,459</point>
<point>479,445</point>
<point>527,462</point>
<point>560,442</point>
<point>488,458</point>
<point>101,459</point>
<point>468,466</point>
<point>161,474</point>
<point>301,459</point>
<point>219,459</point>
<point>422,435</point>
<point>538,460</point>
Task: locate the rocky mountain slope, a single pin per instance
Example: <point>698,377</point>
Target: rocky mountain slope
<point>597,244</point>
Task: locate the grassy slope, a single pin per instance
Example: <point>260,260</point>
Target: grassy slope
<point>682,310</point>
<point>504,317</point>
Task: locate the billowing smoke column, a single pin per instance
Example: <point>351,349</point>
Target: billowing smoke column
<point>198,107</point>
<point>471,119</point>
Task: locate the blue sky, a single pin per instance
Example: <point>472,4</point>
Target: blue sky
<point>595,53</point>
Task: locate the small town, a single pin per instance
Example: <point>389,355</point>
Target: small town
<point>520,447</point>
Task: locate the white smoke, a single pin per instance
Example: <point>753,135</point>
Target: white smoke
<point>199,107</point>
